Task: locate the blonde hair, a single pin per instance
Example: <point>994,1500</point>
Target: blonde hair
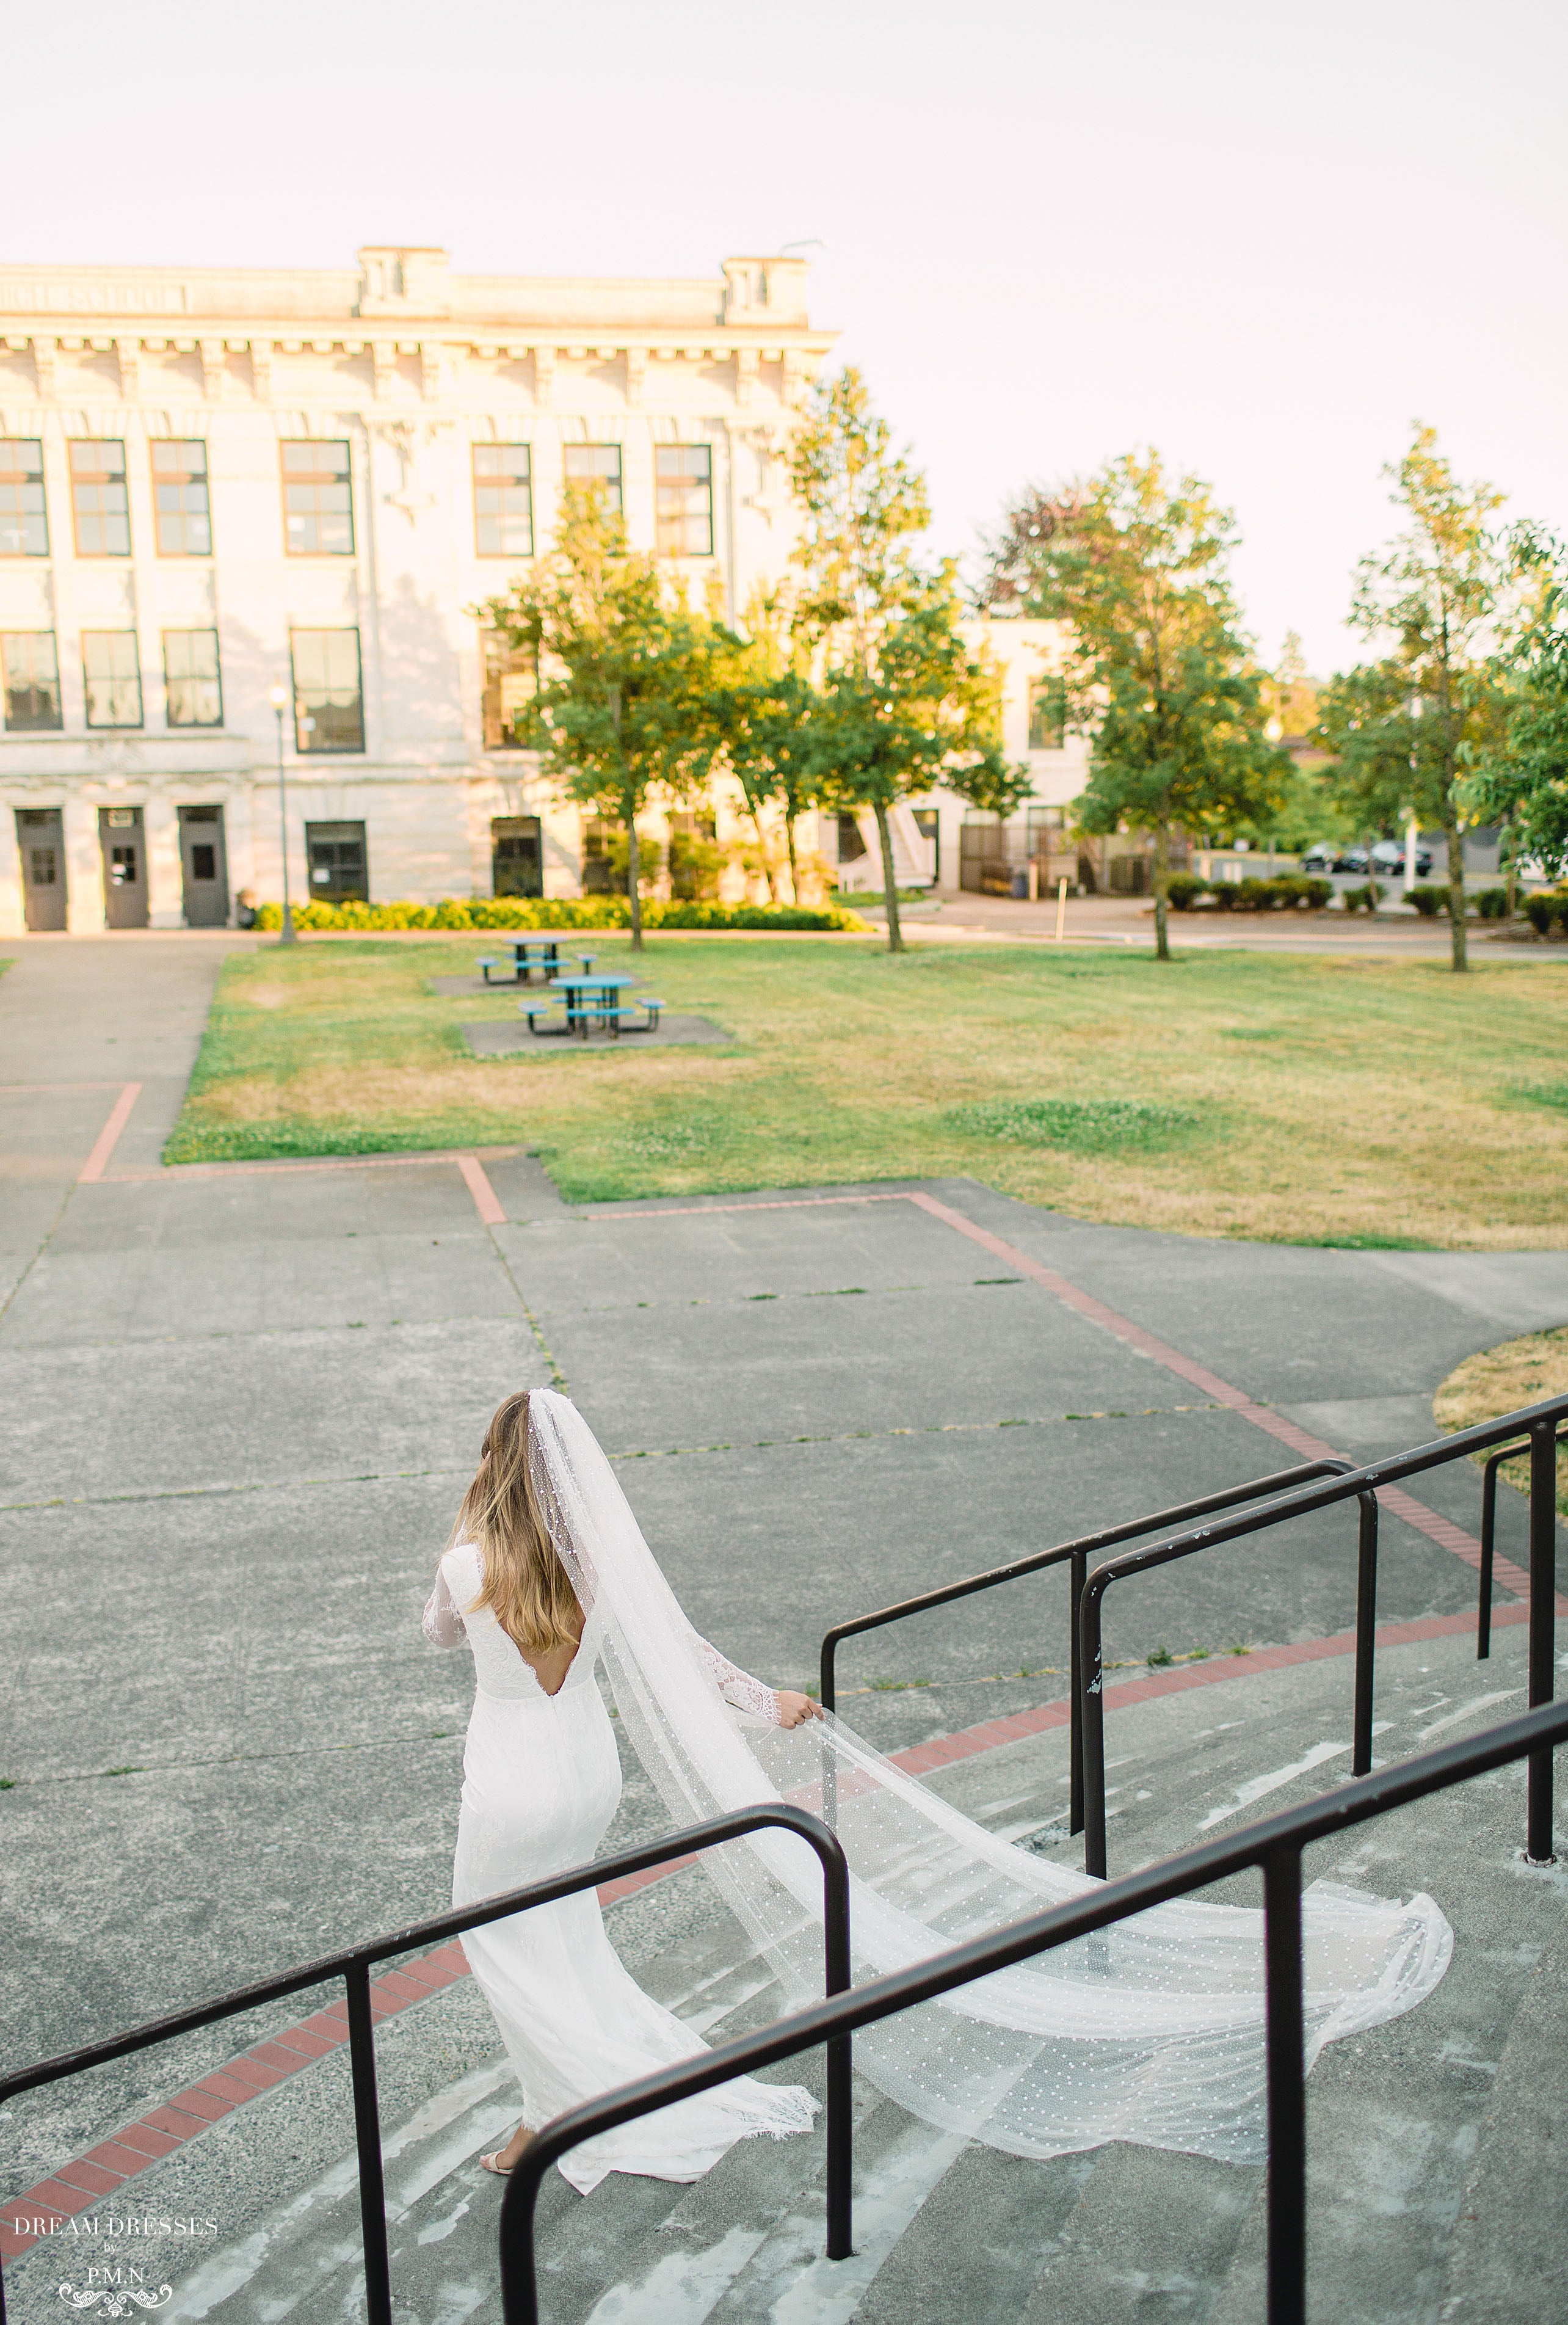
<point>525,1586</point>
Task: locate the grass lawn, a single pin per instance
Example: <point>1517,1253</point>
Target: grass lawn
<point>1525,1371</point>
<point>1383,1103</point>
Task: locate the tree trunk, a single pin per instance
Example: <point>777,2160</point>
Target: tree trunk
<point>763,851</point>
<point>1511,875</point>
<point>789,845</point>
<point>1162,890</point>
<point>890,881</point>
<point>633,870</point>
<point>1461,960</point>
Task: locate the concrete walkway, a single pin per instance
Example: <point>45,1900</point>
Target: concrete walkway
<point>230,1448</point>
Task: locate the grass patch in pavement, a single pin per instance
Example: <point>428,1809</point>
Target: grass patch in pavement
<point>1364,1104</point>
<point>1516,1373</point>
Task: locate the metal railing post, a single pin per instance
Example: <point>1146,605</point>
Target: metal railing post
<point>1489,1534</point>
<point>1285,2040</point>
<point>1079,1570</point>
<point>1366,1634</point>
<point>1092,1673</point>
<point>1542,1613</point>
<point>840,2060</point>
<point>367,2138</point>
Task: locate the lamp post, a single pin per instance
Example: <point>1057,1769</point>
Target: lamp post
<point>280,698</point>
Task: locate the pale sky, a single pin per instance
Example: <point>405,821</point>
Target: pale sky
<point>1262,238</point>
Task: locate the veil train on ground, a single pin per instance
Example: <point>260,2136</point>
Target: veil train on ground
<point>1150,2031</point>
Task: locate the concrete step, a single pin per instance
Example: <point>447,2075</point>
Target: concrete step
<point>1431,2141</point>
<point>1507,2263</point>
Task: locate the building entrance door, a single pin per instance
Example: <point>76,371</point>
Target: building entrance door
<point>125,867</point>
<point>205,865</point>
<point>517,855</point>
<point>40,840</point>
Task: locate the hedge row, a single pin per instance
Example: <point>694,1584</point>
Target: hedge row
<point>1291,892</point>
<point>1547,910</point>
<point>558,912</point>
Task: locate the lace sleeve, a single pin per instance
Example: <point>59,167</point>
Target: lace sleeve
<point>738,1687</point>
<point>442,1624</point>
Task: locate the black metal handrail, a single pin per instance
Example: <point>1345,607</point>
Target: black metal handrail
<point>1274,1844</point>
<point>1489,1527</point>
<point>1539,1421</point>
<point>354,1965</point>
<point>1076,1553</point>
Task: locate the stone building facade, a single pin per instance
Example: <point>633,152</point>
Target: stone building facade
<point>221,488</point>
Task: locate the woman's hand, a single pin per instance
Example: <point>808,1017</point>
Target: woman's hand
<point>795,1710</point>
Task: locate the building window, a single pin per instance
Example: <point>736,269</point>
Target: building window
<point>683,482</point>
<point>503,500</point>
<point>193,689</point>
<point>596,464</point>
<point>23,524</point>
<point>179,501</point>
<point>339,870</point>
<point>114,677</point>
<point>598,861</point>
<point>97,496</point>
<point>517,855</point>
<point>1047,714</point>
<point>851,846</point>
<point>32,669</point>
<point>511,683</point>
<point>318,499</point>
<point>328,704</point>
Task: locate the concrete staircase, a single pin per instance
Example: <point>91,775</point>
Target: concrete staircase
<point>1435,2144</point>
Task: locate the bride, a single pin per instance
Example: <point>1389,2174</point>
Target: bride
<point>1149,2030</point>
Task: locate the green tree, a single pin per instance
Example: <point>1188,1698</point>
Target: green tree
<point>1519,777</point>
<point>760,708</point>
<point>624,669</point>
<point>1407,729</point>
<point>1160,674</point>
<point>923,711</point>
<point>900,701</point>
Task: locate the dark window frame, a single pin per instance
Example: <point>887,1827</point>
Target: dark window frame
<point>180,482</point>
<point>617,505</point>
<point>501,662</point>
<point>54,726</point>
<point>329,833</point>
<point>198,677</point>
<point>305,742</point>
<point>500,481</point>
<point>517,840</point>
<point>115,678</point>
<point>682,519</point>
<point>104,480</point>
<point>315,479</point>
<point>21,480</point>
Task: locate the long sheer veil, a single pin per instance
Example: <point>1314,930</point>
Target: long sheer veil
<point>1151,2031</point>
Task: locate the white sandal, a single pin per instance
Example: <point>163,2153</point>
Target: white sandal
<point>493,2163</point>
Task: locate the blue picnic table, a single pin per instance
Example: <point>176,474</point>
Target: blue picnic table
<point>591,1001</point>
<point>528,953</point>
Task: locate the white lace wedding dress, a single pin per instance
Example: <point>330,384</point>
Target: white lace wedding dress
<point>1151,2030</point>
<point>542,1782</point>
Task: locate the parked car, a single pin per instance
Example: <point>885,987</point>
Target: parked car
<point>1321,858</point>
<point>1351,859</point>
<point>1389,856</point>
